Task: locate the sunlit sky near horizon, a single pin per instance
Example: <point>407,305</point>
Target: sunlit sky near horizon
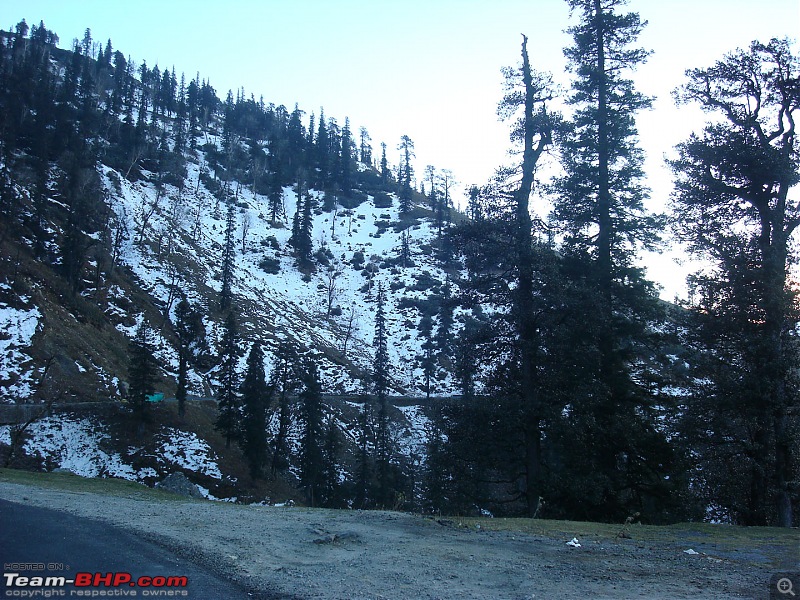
<point>429,69</point>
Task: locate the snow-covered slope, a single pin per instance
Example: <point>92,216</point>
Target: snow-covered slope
<point>174,243</point>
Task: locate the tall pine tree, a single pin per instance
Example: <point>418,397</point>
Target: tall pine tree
<point>255,399</point>
<point>406,147</point>
<point>142,371</point>
<point>600,204</point>
<point>380,387</point>
<point>312,475</point>
<point>191,342</point>
<point>228,399</point>
<point>228,258</point>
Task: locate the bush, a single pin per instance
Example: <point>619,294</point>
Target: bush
<point>323,256</point>
<point>381,200</point>
<point>270,265</point>
<point>352,198</point>
<point>425,282</point>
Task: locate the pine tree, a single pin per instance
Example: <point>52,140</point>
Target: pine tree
<point>304,238</point>
<point>380,363</point>
<point>193,108</point>
<point>107,54</point>
<point>406,174</point>
<point>385,173</point>
<point>228,259</point>
<point>404,255</point>
<point>191,342</point>
<point>428,358</point>
<point>322,151</point>
<point>380,387</point>
<point>433,195</point>
<point>330,465</point>
<point>255,399</point>
<point>443,216</point>
<point>297,219</point>
<point>283,384</point>
<point>536,135</point>
<point>734,207</point>
<point>444,333</point>
<point>295,139</point>
<point>346,162</point>
<point>142,372</point>
<point>600,205</point>
<point>466,357</point>
<point>229,418</point>
<point>179,128</point>
<point>365,150</point>
<point>363,498</point>
<point>277,212</point>
<point>311,459</point>
<point>507,269</point>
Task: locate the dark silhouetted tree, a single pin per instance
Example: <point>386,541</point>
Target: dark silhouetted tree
<point>142,371</point>
<point>733,204</point>
<point>191,343</point>
<point>600,205</point>
<point>228,258</point>
<point>311,446</point>
<point>255,400</point>
<point>406,148</point>
<point>228,400</point>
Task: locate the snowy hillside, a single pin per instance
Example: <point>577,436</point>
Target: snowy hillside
<point>175,242</point>
<point>183,213</point>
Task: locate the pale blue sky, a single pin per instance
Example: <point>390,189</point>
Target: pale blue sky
<point>429,69</point>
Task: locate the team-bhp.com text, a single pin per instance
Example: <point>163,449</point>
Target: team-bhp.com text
<point>95,585</point>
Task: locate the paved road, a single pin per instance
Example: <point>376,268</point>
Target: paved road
<point>31,536</point>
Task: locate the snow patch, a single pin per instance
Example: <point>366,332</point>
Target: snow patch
<point>17,328</point>
<point>74,443</point>
<point>185,450</point>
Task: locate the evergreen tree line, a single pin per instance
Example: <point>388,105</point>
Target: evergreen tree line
<point>99,107</point>
<point>258,412</point>
<point>598,401</point>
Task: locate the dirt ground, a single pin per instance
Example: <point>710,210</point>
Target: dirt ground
<point>291,552</point>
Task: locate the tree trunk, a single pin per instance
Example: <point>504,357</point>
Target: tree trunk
<point>773,244</point>
<point>524,295</point>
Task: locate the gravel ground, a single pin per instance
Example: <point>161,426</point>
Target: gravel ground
<point>349,555</point>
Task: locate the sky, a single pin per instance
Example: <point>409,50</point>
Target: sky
<point>428,69</point>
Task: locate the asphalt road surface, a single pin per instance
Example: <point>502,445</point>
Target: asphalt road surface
<point>37,542</point>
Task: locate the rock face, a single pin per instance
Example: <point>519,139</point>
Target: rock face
<point>177,483</point>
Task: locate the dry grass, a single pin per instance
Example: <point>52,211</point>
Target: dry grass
<point>74,483</point>
<point>689,534</point>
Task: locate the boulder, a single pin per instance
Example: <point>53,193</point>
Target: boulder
<point>178,483</point>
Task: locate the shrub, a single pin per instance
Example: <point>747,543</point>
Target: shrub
<point>381,200</point>
<point>425,281</point>
<point>270,265</point>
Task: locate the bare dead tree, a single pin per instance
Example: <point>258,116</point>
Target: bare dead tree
<point>352,324</point>
<point>331,289</point>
